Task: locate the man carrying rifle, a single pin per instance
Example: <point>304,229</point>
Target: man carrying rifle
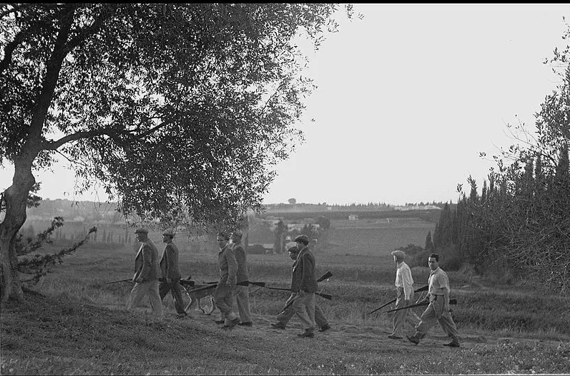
<point>284,316</point>
<point>223,295</point>
<point>170,271</point>
<point>304,286</point>
<point>241,291</point>
<point>438,309</point>
<point>146,275</point>
<point>403,283</point>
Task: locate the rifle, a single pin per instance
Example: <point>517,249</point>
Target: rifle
<point>324,276</point>
<point>323,295</point>
<point>425,288</point>
<point>212,285</point>
<point>423,303</point>
<point>123,280</point>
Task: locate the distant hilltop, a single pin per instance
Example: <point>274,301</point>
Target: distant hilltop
<point>106,212</point>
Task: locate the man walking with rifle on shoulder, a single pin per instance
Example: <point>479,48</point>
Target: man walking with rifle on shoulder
<point>286,314</point>
<point>438,309</point>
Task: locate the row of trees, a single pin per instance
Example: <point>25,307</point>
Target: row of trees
<point>518,222</point>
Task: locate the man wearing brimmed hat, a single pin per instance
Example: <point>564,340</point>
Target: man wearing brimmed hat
<point>170,272</point>
<point>284,317</point>
<point>146,275</point>
<point>403,284</point>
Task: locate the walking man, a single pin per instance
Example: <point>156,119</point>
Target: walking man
<point>438,309</point>
<point>304,286</point>
<point>223,295</point>
<point>146,275</point>
<point>403,283</point>
<point>170,272</point>
<point>284,317</point>
<point>241,292</point>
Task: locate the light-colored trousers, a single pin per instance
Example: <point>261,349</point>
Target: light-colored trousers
<point>304,307</point>
<point>242,294</point>
<point>285,316</point>
<point>404,315</point>
<point>428,320</point>
<point>224,299</point>
<point>151,289</point>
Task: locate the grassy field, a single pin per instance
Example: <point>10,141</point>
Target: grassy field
<point>74,325</point>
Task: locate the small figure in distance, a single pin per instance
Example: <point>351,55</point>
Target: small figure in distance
<point>438,309</point>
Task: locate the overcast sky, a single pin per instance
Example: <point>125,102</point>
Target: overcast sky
<point>407,98</point>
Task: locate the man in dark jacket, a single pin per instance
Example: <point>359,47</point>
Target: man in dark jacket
<point>170,272</point>
<point>286,315</point>
<point>146,275</point>
<point>223,295</point>
<point>304,286</point>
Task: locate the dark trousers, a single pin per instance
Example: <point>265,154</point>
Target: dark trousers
<point>175,288</point>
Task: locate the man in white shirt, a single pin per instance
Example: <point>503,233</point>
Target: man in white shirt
<point>403,283</point>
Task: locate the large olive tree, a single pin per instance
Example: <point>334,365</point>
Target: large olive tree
<point>177,109</point>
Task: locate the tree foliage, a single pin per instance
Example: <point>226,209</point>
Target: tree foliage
<point>519,222</point>
<point>180,111</point>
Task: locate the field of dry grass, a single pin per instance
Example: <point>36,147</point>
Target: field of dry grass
<point>79,326</point>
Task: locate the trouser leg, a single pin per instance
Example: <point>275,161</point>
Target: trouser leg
<point>320,318</point>
<point>176,291</point>
<point>399,316</point>
<point>427,321</point>
<point>137,293</point>
<point>304,307</point>
<point>243,303</point>
<point>224,300</point>
<point>155,298</point>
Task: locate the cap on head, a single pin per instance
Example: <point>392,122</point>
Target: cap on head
<point>291,247</point>
<point>398,254</point>
<point>224,235</point>
<point>302,239</point>
<point>141,231</point>
<point>169,233</point>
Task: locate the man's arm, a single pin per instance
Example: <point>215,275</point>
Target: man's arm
<point>232,267</point>
<point>407,283</point>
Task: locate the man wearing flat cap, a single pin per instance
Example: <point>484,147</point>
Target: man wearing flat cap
<point>304,287</point>
<point>241,292</point>
<point>170,273</point>
<point>284,316</point>
<point>146,275</point>
<point>403,284</point>
<point>223,295</point>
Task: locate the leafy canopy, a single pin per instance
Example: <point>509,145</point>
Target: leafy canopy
<point>181,111</point>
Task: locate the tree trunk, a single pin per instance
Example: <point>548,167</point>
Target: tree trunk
<point>16,198</point>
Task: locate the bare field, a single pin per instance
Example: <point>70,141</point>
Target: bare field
<point>376,237</point>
